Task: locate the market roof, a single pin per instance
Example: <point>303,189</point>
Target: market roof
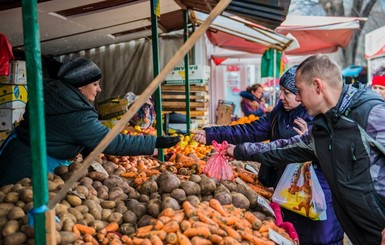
<point>72,25</point>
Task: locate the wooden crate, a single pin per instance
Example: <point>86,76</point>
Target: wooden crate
<point>174,100</point>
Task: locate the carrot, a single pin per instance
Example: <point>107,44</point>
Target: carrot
<point>164,219</point>
<point>137,240</point>
<point>76,231</point>
<point>200,241</point>
<point>183,240</point>
<point>200,231</point>
<point>230,241</point>
<point>266,225</point>
<point>231,232</point>
<point>90,238</point>
<point>189,209</point>
<point>130,174</point>
<point>251,238</point>
<point>184,225</point>
<point>260,190</point>
<point>217,206</point>
<point>256,223</point>
<point>158,225</point>
<point>171,226</point>
<point>206,219</point>
<point>172,238</point>
<point>113,226</point>
<point>83,229</point>
<point>126,239</point>
<point>146,241</point>
<point>246,175</point>
<point>257,234</point>
<point>160,233</point>
<point>144,228</point>
<point>228,220</point>
<point>178,217</point>
<point>169,212</point>
<point>155,240</point>
<point>215,238</point>
<point>116,241</point>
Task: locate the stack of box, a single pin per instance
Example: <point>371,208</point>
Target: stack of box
<point>13,96</point>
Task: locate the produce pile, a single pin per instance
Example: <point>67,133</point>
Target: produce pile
<point>138,200</point>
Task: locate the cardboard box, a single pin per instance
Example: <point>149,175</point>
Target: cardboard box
<point>10,118</point>
<point>112,107</point>
<point>13,96</point>
<point>224,112</point>
<point>17,73</point>
<point>198,74</point>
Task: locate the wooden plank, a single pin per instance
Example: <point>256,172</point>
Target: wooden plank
<point>183,97</point>
<point>192,113</point>
<point>182,104</point>
<point>178,88</point>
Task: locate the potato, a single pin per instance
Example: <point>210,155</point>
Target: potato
<point>28,230</point>
<point>223,197</point>
<point>116,193</point>
<point>132,193</point>
<point>5,208</point>
<point>2,196</point>
<point>88,218</point>
<point>20,204</point>
<point>25,182</point>
<point>94,208</point>
<point>61,170</point>
<point>97,184</point>
<point>115,217</point>
<point>73,200</point>
<point>127,229</point>
<point>230,185</point>
<point>105,214</point>
<point>207,185</point>
<point>260,215</point>
<point>97,176</point>
<point>207,198</point>
<point>130,217</point>
<point>26,195</point>
<point>144,221</point>
<point>221,188</point>
<point>121,207</point>
<point>16,213</point>
<point>82,191</point>
<point>52,186</point>
<point>195,178</point>
<point>168,182</point>
<point>82,209</point>
<point>10,227</point>
<point>98,224</point>
<point>67,237</point>
<point>143,198</point>
<point>179,195</point>
<point>68,224</point>
<point>12,197</point>
<point>139,210</point>
<point>191,188</point>
<point>17,187</point>
<point>7,188</point>
<point>86,181</point>
<point>170,203</point>
<point>194,200</point>
<point>27,207</point>
<point>240,201</point>
<point>113,181</point>
<point>76,213</point>
<point>242,189</point>
<point>149,187</point>
<point>253,198</point>
<point>102,192</point>
<point>60,208</point>
<point>15,238</point>
<point>108,204</point>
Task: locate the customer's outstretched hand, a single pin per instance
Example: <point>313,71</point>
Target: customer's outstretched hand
<point>199,136</point>
<point>166,141</point>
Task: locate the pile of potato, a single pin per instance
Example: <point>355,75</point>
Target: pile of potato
<point>99,199</point>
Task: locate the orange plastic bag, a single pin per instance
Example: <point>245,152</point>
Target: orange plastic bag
<point>218,166</point>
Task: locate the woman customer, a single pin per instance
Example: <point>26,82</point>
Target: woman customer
<point>288,118</point>
<point>71,124</point>
<point>252,101</point>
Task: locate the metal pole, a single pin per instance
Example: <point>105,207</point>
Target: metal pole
<point>36,113</point>
<point>274,74</point>
<point>155,64</point>
<point>186,65</point>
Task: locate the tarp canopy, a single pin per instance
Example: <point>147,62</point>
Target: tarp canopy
<point>319,34</point>
<point>237,35</point>
<point>375,42</point>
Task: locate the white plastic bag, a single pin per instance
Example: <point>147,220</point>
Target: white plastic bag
<point>299,191</point>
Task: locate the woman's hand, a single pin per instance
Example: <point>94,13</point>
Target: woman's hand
<point>199,136</point>
<point>302,124</point>
<point>383,237</point>
<point>230,150</point>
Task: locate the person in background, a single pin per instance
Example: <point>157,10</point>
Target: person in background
<point>347,137</point>
<point>252,101</point>
<point>288,118</point>
<point>378,81</point>
<point>71,124</point>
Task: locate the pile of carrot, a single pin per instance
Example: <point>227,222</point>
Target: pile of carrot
<point>208,223</point>
<point>252,181</point>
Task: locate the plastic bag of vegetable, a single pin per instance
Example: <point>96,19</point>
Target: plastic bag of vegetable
<point>218,166</point>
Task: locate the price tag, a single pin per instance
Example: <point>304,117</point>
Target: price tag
<point>99,168</point>
<point>265,203</point>
<point>278,238</point>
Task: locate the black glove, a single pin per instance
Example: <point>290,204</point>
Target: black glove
<point>166,141</point>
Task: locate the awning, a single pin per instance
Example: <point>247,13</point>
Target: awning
<point>319,34</point>
<point>375,42</point>
<point>234,34</point>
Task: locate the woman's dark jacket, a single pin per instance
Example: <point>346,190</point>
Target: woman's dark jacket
<point>71,124</point>
<point>278,124</point>
<point>346,140</point>
<point>246,108</point>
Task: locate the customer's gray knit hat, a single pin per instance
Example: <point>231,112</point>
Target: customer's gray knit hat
<point>287,79</point>
<point>79,72</point>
